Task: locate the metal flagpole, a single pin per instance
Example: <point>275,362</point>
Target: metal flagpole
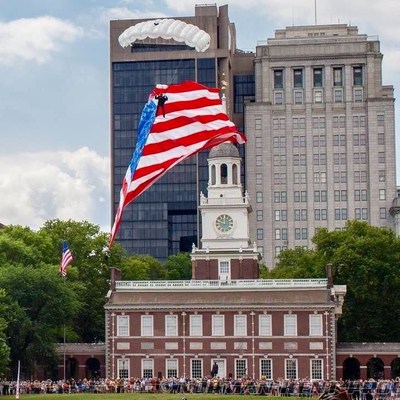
<point>18,374</point>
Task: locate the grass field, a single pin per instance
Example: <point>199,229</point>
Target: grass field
<point>126,396</point>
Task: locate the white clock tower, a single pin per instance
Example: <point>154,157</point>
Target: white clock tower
<point>225,212</point>
<point>225,251</point>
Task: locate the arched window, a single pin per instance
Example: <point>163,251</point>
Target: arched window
<point>213,175</point>
<point>235,179</point>
<point>224,173</point>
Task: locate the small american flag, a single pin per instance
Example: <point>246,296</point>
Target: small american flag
<point>66,258</point>
<point>177,122</point>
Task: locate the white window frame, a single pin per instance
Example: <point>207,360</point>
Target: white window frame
<point>171,367</point>
<point>267,369</point>
<point>290,325</point>
<point>148,365</point>
<point>171,325</point>
<point>123,325</point>
<point>240,368</point>
<point>265,325</point>
<point>123,368</point>
<point>218,325</point>
<point>294,363</point>
<point>316,369</point>
<point>240,325</point>
<point>199,362</point>
<point>196,325</point>
<point>147,325</point>
<point>315,324</point>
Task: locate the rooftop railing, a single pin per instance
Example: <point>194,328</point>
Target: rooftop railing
<point>228,284</point>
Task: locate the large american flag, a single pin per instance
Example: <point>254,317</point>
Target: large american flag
<point>66,258</point>
<point>191,119</point>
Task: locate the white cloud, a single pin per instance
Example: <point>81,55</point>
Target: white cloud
<point>36,187</point>
<point>34,39</point>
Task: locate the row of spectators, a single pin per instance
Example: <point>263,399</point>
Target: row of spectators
<point>356,389</point>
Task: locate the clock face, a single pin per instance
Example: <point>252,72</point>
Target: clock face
<point>224,223</point>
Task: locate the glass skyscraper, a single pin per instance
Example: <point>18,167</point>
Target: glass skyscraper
<point>164,220</point>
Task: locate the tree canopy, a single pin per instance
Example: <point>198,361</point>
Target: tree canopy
<point>38,307</point>
<point>366,260</point>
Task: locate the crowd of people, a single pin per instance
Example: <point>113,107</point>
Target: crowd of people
<point>325,390</point>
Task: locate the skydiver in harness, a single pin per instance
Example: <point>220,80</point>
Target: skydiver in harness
<point>162,98</point>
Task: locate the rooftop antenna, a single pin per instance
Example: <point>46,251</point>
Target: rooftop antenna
<point>315,12</point>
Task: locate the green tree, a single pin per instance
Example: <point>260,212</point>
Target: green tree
<point>141,268</point>
<point>179,267</point>
<point>4,347</point>
<point>90,268</point>
<point>366,260</point>
<point>39,305</point>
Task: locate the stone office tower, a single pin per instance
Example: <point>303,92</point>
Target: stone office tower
<point>321,138</point>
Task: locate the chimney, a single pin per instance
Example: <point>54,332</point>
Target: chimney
<point>329,275</point>
<point>115,276</point>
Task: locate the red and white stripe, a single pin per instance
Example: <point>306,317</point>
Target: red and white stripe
<point>194,120</point>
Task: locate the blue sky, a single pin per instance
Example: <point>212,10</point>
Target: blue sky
<point>54,86</point>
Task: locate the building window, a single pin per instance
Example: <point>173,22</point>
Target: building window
<point>357,76</point>
<point>290,325</point>
<point>218,325</point>
<point>171,325</point>
<point>278,98</point>
<point>266,368</point>
<point>240,368</point>
<point>358,95</point>
<point>278,79</point>
<point>316,369</point>
<point>258,124</point>
<point>265,325</point>
<point>122,325</point>
<point>380,119</point>
<point>338,95</point>
<point>318,96</point>
<point>196,366</point>
<point>315,324</point>
<point>298,97</point>
<point>381,138</point>
<point>260,215</point>
<point>290,368</point>
<point>382,194</point>
<point>298,78</point>
<point>172,367</point>
<point>381,157</point>
<point>240,325</point>
<point>259,179</point>
<point>258,161</point>
<point>337,76</point>
<point>147,325</point>
<point>317,77</point>
<point>148,368</point>
<point>196,325</point>
<point>258,142</point>
<point>260,234</point>
<point>123,368</point>
<point>259,197</point>
<point>382,213</point>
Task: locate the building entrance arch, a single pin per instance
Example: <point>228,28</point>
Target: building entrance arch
<point>351,369</point>
<point>92,368</point>
<point>375,369</point>
<point>395,368</point>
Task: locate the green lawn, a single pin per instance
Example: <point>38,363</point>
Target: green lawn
<point>126,396</point>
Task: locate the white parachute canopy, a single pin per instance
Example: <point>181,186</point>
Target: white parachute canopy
<point>175,29</point>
